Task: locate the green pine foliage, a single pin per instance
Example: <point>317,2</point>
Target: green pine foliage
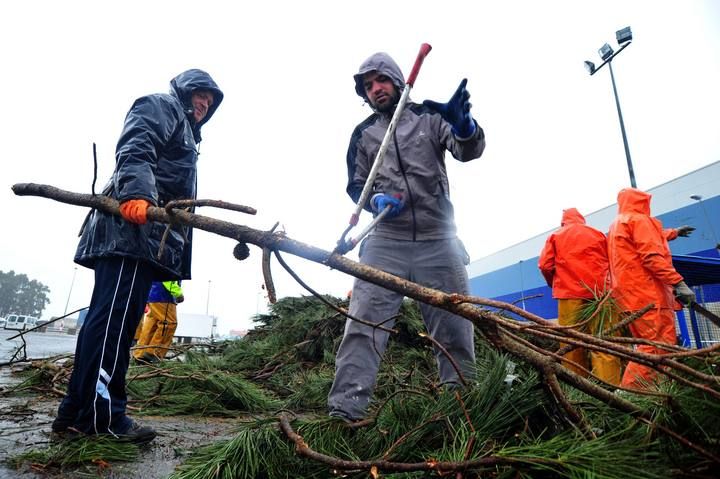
<point>503,416</point>
<point>310,389</point>
<point>506,414</point>
<point>599,314</point>
<point>88,453</point>
<point>258,450</point>
<point>198,387</point>
<point>31,379</point>
<point>615,454</point>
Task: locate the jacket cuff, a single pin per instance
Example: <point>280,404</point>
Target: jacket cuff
<point>472,135</point>
<point>372,201</point>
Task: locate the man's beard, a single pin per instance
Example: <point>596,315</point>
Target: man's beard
<point>388,106</point>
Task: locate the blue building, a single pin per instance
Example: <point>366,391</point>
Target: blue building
<point>512,274</point>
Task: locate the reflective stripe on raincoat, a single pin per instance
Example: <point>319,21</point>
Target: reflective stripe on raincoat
<point>164,292</point>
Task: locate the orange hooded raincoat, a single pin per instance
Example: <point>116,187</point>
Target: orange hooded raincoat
<point>642,272</point>
<point>574,263</point>
<point>574,260</point>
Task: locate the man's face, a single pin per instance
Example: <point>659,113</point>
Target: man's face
<point>201,100</point>
<point>380,91</point>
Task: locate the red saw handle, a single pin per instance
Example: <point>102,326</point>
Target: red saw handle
<point>424,50</point>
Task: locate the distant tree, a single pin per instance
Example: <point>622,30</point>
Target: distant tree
<point>21,295</point>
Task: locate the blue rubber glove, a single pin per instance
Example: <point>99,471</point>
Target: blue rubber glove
<point>380,201</point>
<point>456,112</point>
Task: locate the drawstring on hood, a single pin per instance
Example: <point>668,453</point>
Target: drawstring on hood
<point>183,86</point>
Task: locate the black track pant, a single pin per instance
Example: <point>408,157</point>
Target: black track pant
<point>96,397</point>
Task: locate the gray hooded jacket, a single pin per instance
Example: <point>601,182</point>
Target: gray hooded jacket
<point>414,163</point>
<point>156,159</point>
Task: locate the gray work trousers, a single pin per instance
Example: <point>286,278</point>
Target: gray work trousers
<point>436,264</point>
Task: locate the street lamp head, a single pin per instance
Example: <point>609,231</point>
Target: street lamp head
<point>696,197</point>
<point>623,35</point>
<point>590,67</point>
<point>605,51</point>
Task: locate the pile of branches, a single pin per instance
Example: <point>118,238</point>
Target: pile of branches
<point>524,415</point>
<point>506,423</point>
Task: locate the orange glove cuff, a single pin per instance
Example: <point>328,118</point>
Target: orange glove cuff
<point>135,211</point>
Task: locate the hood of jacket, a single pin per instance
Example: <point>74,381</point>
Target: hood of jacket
<point>182,87</point>
<point>382,63</point>
<point>632,200</point>
<point>572,216</point>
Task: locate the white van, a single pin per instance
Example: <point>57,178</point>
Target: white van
<point>20,321</point>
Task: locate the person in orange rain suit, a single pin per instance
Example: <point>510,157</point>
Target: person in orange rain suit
<point>575,265</point>
<point>641,273</point>
<point>160,323</point>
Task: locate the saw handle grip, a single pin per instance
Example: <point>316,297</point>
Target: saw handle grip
<point>424,50</point>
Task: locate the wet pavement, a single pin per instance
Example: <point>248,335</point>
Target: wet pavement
<point>37,345</point>
<point>25,422</point>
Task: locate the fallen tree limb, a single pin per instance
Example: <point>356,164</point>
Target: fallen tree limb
<point>487,322</point>
<point>302,448</point>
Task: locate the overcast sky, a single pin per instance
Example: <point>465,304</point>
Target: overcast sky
<point>278,142</point>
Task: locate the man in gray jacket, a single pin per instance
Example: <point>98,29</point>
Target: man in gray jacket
<point>417,239</point>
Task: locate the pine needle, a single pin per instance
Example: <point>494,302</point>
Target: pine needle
<point>79,451</point>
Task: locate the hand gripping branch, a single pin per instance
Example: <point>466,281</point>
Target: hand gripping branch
<point>343,246</point>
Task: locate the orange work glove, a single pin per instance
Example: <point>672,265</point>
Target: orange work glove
<point>135,211</point>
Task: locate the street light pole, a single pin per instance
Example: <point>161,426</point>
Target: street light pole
<point>72,282</point>
<point>631,171</point>
<point>207,304</point>
<point>624,38</point>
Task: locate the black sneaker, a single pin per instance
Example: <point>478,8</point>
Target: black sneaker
<point>61,424</point>
<point>138,434</point>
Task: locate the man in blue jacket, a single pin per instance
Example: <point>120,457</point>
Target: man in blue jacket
<point>156,158</point>
<point>417,239</point>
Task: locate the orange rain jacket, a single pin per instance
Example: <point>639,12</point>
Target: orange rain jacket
<point>574,260</point>
<point>641,268</point>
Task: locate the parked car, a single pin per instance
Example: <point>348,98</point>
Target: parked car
<point>20,322</point>
<point>2,322</point>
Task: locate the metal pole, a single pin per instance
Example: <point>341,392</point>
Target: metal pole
<point>207,304</point>
<point>522,286</point>
<point>257,303</point>
<point>70,292</point>
<point>622,129</point>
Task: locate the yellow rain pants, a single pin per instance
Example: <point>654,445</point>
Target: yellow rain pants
<point>158,329</point>
<point>605,366</point>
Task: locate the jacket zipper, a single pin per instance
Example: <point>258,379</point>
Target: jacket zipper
<point>407,185</point>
